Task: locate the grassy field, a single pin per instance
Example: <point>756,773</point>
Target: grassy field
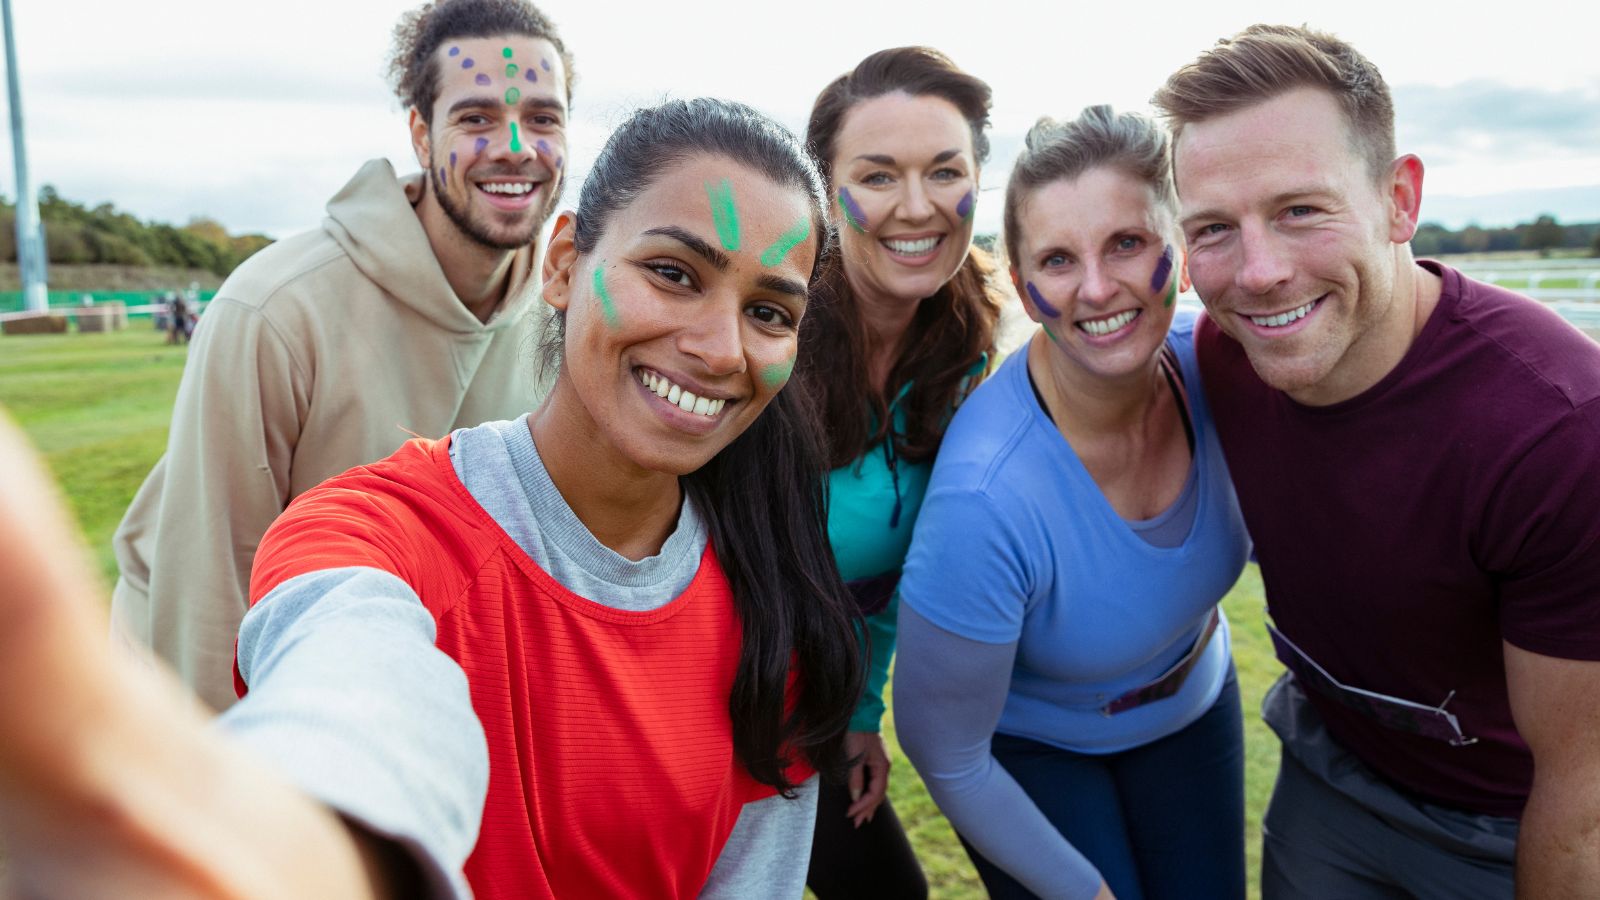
<point>97,406</point>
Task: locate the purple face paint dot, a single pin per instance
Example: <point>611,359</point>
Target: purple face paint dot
<point>544,64</point>
<point>480,145</point>
<point>1043,304</point>
<point>1158,278</point>
<point>531,75</point>
<point>455,51</point>
<point>964,207</point>
<point>558,162</point>
<point>467,63</point>
<point>452,159</point>
<point>482,78</point>
<point>543,145</point>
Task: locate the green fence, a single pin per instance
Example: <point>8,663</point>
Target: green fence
<point>11,301</point>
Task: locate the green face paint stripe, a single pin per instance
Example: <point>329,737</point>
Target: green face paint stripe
<point>607,308</point>
<point>516,139</point>
<point>1047,332</point>
<point>777,374</point>
<point>724,213</point>
<point>786,242</point>
<point>1172,293</point>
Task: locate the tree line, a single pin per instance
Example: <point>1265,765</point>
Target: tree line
<point>1543,234</point>
<point>78,234</point>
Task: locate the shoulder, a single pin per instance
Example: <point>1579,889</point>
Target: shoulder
<point>284,270</point>
<point>1493,335</point>
<point>991,427</point>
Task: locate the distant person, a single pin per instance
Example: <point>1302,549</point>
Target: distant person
<point>1064,685</point>
<point>1417,455</point>
<point>407,313</point>
<point>178,329</point>
<point>907,330</point>
<point>615,617</point>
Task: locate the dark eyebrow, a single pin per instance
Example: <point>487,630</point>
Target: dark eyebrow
<point>479,101</point>
<point>485,102</point>
<point>720,260</point>
<point>782,285</point>
<point>884,159</point>
<point>693,241</point>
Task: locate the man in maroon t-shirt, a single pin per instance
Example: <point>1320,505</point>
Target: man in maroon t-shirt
<point>1418,459</point>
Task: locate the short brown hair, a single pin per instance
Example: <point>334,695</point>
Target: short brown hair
<point>1059,151</point>
<point>1264,61</point>
<point>423,30</point>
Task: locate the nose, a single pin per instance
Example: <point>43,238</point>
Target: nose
<point>714,336</point>
<point>915,205</point>
<point>1098,286</point>
<point>1263,265</point>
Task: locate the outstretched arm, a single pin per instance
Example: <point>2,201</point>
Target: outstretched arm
<point>111,784</point>
<point>949,692</point>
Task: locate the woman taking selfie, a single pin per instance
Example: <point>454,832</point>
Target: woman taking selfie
<point>596,651</point>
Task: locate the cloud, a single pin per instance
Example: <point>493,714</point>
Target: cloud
<point>1481,120</point>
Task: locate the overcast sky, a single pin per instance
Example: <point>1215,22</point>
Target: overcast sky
<point>254,112</point>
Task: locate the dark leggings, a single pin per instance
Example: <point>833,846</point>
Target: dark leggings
<point>1161,822</point>
<point>873,861</point>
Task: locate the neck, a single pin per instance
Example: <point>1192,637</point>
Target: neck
<point>629,509</point>
<point>887,320</point>
<point>478,274</point>
<point>1085,405</point>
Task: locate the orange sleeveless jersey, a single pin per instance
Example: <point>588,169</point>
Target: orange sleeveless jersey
<point>611,763</point>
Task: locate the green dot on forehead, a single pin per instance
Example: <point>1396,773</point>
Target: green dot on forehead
<point>512,96</point>
<point>506,53</point>
<point>511,70</point>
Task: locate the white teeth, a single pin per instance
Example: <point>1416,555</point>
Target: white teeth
<point>1106,326</point>
<point>913,248</point>
<point>517,189</point>
<point>677,396</point>
<point>1283,318</point>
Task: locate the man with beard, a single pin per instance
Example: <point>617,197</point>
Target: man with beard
<point>408,312</point>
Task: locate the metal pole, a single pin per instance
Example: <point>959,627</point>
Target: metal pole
<point>31,257</point>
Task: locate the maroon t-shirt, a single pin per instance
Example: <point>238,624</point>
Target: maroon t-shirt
<point>1405,532</point>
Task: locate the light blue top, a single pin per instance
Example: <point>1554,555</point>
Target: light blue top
<point>1031,604</point>
<point>1016,543</point>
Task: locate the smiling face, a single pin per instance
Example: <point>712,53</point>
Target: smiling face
<point>905,186</point>
<point>495,147</point>
<point>1294,246</point>
<point>682,324</point>
<point>1099,270</point>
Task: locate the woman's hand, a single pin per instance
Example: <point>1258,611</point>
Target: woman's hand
<point>869,778</point>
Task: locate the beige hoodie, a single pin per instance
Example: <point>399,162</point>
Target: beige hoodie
<point>324,351</point>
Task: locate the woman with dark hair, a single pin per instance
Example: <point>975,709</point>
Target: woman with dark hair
<point>617,617</point>
<point>908,330</point>
<point>1065,686</point>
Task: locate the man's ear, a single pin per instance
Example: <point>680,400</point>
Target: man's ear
<point>1404,195</point>
<point>561,261</point>
<point>420,146</point>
